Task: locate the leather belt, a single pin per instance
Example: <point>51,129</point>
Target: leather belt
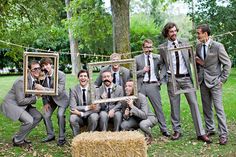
<point>181,75</point>
<point>150,82</point>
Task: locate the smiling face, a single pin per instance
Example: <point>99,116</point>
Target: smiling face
<point>172,33</point>
<point>107,78</point>
<point>47,67</point>
<point>202,36</point>
<point>35,70</point>
<point>129,88</point>
<point>147,48</point>
<point>83,79</point>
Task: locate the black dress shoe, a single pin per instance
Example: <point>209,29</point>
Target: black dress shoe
<point>27,141</point>
<point>176,135</point>
<point>223,140</point>
<point>47,139</point>
<point>61,142</point>
<point>204,138</point>
<point>18,144</point>
<point>166,134</point>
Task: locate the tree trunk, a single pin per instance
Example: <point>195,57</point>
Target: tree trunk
<point>121,26</point>
<point>75,56</point>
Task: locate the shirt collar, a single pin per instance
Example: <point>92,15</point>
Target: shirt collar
<point>208,42</point>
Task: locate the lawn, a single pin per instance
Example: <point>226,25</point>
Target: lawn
<point>186,146</point>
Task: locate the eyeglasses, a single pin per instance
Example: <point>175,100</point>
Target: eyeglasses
<point>147,47</point>
<point>36,69</point>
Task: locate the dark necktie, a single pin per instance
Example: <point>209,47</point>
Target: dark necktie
<point>204,51</point>
<point>177,59</point>
<point>109,93</point>
<point>49,81</point>
<point>148,64</point>
<point>84,97</point>
<point>33,85</point>
<point>114,78</point>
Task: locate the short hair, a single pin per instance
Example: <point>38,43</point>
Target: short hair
<point>83,71</point>
<point>32,62</point>
<point>45,61</point>
<point>147,41</point>
<point>167,27</point>
<point>113,55</point>
<point>205,28</point>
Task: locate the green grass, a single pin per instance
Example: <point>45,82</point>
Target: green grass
<point>186,146</point>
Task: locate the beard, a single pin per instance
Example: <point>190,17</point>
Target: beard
<point>105,81</point>
<point>44,70</point>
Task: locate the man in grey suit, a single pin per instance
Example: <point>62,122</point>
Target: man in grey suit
<point>182,72</point>
<point>82,111</point>
<point>137,113</point>
<point>120,74</point>
<point>148,81</point>
<point>214,67</point>
<point>110,110</point>
<point>52,102</point>
<point>18,106</point>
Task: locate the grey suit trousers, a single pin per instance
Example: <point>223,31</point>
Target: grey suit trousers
<point>144,125</point>
<point>184,83</point>
<point>152,91</point>
<point>103,121</point>
<point>61,121</point>
<point>209,96</point>
<point>30,118</point>
<point>76,122</point>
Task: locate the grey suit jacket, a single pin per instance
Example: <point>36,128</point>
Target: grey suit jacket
<point>140,64</point>
<point>76,100</point>
<point>16,101</point>
<point>62,98</point>
<point>166,63</point>
<point>140,109</point>
<point>124,74</point>
<point>117,91</point>
<point>216,66</point>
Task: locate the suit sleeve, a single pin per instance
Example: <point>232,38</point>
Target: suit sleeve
<point>20,96</point>
<point>226,63</point>
<point>118,105</point>
<point>143,112</point>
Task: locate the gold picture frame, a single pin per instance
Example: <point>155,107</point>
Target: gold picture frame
<point>193,68</point>
<point>37,56</point>
<point>134,78</point>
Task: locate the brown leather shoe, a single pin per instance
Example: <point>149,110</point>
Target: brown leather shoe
<point>149,140</point>
<point>204,138</point>
<point>210,134</point>
<point>166,134</point>
<point>176,135</point>
<point>223,140</point>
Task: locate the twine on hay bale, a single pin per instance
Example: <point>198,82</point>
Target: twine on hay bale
<point>109,144</point>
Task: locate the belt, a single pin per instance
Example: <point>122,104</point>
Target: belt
<point>181,75</point>
<point>150,82</point>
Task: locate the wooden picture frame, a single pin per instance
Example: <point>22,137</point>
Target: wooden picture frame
<point>134,78</point>
<point>28,56</point>
<point>193,69</point>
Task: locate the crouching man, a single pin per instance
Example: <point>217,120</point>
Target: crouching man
<point>137,113</point>
<point>82,112</point>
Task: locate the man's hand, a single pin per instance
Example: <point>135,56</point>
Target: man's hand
<point>130,102</point>
<point>75,111</point>
<point>46,107</point>
<point>199,61</point>
<point>104,95</point>
<point>111,113</point>
<point>93,107</point>
<point>221,84</point>
<point>146,68</point>
<point>39,87</point>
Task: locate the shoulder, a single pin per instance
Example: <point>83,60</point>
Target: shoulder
<point>216,44</point>
<point>61,73</point>
<point>75,88</point>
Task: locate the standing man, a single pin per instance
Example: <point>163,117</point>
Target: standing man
<point>182,72</point>
<point>137,113</point>
<point>148,81</point>
<point>52,102</point>
<point>82,111</point>
<point>110,110</point>
<point>120,74</point>
<point>214,67</point>
<point>18,106</point>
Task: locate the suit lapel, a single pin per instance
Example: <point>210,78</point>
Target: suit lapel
<point>209,49</point>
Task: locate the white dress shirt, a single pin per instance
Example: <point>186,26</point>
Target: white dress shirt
<point>152,72</point>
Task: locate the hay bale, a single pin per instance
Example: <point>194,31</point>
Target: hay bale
<point>109,144</point>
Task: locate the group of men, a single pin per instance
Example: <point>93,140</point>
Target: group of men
<point>115,81</point>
